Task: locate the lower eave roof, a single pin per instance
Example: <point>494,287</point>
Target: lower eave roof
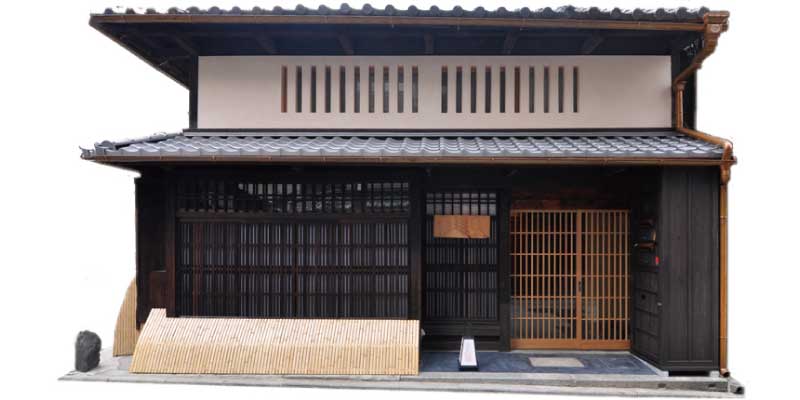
<point>681,14</point>
<point>641,147</point>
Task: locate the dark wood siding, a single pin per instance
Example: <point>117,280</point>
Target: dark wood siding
<point>150,272</point>
<point>689,247</point>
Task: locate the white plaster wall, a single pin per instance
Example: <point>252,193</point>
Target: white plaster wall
<point>244,92</point>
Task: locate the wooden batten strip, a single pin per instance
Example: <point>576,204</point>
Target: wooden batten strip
<point>126,332</point>
<point>276,346</point>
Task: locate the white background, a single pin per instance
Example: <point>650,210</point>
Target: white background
<point>67,232</point>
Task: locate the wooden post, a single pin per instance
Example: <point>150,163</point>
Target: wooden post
<point>416,226</point>
<point>169,245</point>
<point>504,268</point>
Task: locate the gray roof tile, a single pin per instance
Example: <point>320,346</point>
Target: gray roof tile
<point>618,145</point>
<point>681,14</point>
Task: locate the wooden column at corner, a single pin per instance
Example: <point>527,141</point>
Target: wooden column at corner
<point>416,226</point>
<point>169,245</point>
<point>504,268</point>
<point>142,268</point>
<point>723,272</point>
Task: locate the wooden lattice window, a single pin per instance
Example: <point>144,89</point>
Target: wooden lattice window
<point>248,248</point>
<point>461,274</point>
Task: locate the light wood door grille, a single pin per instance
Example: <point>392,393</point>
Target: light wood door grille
<point>570,279</point>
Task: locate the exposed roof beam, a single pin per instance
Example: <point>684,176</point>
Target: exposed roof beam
<point>346,43</point>
<point>429,43</point>
<point>591,43</point>
<point>267,43</point>
<point>509,42</point>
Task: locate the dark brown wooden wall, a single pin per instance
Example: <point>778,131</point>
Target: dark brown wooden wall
<point>689,248</point>
<point>150,249</point>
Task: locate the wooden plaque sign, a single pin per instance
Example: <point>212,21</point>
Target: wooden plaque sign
<point>461,226</point>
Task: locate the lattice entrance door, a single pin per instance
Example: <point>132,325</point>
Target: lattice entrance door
<point>570,279</point>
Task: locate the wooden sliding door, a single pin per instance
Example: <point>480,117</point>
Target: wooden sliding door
<point>570,279</point>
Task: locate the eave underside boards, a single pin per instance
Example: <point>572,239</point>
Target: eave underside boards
<point>170,42</point>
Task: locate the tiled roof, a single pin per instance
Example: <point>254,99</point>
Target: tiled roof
<point>681,14</point>
<point>552,145</point>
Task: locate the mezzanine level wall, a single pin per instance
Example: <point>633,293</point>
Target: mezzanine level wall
<point>433,92</point>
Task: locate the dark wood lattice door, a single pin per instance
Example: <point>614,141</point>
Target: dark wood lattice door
<point>570,279</point>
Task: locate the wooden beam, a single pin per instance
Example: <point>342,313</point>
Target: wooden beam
<point>346,43</point>
<point>430,43</point>
<point>510,41</point>
<point>591,43</point>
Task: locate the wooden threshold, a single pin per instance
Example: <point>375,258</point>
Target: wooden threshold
<point>568,344</point>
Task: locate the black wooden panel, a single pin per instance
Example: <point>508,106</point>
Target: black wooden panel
<point>149,240</point>
<point>689,247</point>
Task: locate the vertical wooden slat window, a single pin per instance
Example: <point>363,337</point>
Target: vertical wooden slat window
<point>473,90</point>
<point>444,89</point>
<point>357,89</point>
<point>546,90</point>
<point>414,89</point>
<point>283,89</point>
<point>459,88</point>
<point>400,88</point>
<point>298,89</point>
<point>327,89</point>
<point>516,89</point>
<point>371,78</point>
<point>313,90</point>
<point>575,81</point>
<point>487,84</point>
<point>386,89</point>
<point>560,89</point>
<point>531,89</point>
<point>502,103</point>
<point>342,89</point>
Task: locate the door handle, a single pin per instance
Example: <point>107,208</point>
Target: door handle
<point>580,286</point>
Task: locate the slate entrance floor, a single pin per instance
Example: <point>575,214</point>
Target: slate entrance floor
<point>545,362</point>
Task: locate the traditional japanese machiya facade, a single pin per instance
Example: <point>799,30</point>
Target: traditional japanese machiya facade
<point>532,179</point>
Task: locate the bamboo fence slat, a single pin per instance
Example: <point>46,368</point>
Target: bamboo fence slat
<point>276,346</point>
<point>125,332</point>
